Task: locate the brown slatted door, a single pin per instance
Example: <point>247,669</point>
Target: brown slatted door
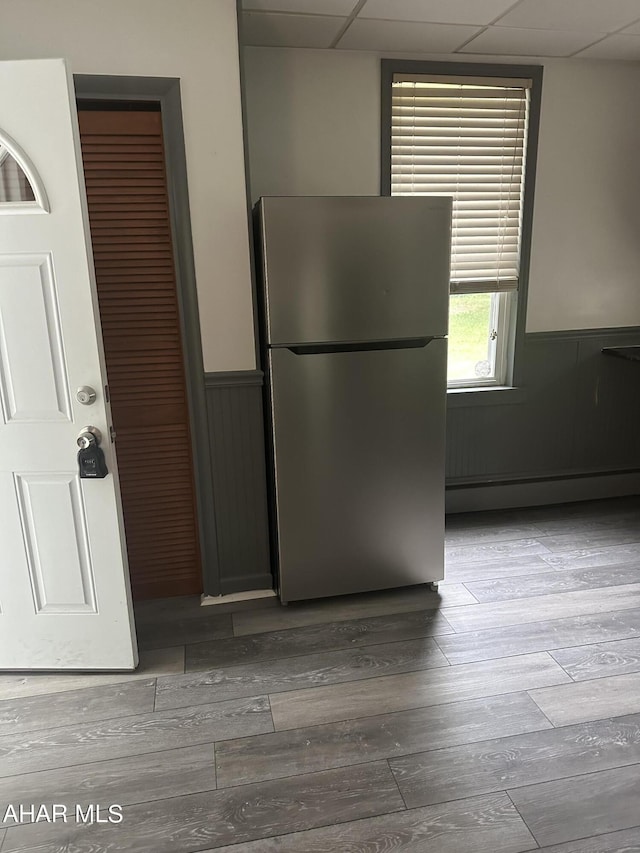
<point>125,175</point>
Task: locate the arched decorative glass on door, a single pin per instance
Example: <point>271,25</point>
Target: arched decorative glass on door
<point>21,190</point>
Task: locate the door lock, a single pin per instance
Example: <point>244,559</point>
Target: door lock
<point>89,435</point>
<point>91,462</point>
<point>86,395</point>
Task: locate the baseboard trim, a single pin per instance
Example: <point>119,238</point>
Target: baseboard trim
<point>539,492</point>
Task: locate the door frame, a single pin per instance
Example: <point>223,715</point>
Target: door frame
<point>166,92</point>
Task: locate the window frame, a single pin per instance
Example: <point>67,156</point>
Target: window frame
<point>502,308</point>
<point>513,336</point>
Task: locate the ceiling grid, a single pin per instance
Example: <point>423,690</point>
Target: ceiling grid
<point>589,29</point>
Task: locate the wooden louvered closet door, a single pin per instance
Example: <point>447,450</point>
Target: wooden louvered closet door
<point>125,175</point>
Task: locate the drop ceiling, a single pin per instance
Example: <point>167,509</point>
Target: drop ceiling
<point>585,29</point>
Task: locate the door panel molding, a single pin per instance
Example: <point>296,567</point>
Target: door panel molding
<point>166,92</point>
<point>29,311</point>
<point>74,589</point>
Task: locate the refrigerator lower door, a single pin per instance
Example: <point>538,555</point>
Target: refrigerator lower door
<point>359,468</point>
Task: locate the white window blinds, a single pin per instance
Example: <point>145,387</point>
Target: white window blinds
<point>465,137</point>
<point>14,185</point>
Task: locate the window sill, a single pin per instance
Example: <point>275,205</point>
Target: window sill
<point>495,395</point>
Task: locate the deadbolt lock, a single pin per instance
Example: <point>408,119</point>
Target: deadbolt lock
<point>86,395</point>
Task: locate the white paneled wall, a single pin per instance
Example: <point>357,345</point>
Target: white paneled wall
<point>585,263</point>
<point>196,41</point>
<point>314,128</point>
<point>313,122</point>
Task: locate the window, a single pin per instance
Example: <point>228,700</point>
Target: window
<point>14,184</point>
<point>467,132</point>
<point>20,188</point>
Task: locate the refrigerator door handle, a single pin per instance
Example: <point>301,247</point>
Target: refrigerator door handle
<point>361,346</point>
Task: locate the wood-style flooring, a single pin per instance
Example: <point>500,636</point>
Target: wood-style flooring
<point>500,715</point>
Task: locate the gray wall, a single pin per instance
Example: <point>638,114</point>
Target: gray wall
<point>574,420</point>
<point>238,469</point>
<point>578,413</point>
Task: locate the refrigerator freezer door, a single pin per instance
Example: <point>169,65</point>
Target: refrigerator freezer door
<point>355,269</point>
<point>359,451</point>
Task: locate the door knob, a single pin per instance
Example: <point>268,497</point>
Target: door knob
<point>91,461</point>
<point>89,436</point>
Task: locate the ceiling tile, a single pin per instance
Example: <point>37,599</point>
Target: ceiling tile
<point>276,30</point>
<point>614,47</point>
<point>515,42</point>
<point>599,16</point>
<point>308,7</point>
<point>436,11</point>
<point>633,30</point>
<point>368,34</point>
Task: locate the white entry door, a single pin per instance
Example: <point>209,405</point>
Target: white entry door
<point>65,601</point>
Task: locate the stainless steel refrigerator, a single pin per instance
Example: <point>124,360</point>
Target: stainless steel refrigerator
<point>354,310</point>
